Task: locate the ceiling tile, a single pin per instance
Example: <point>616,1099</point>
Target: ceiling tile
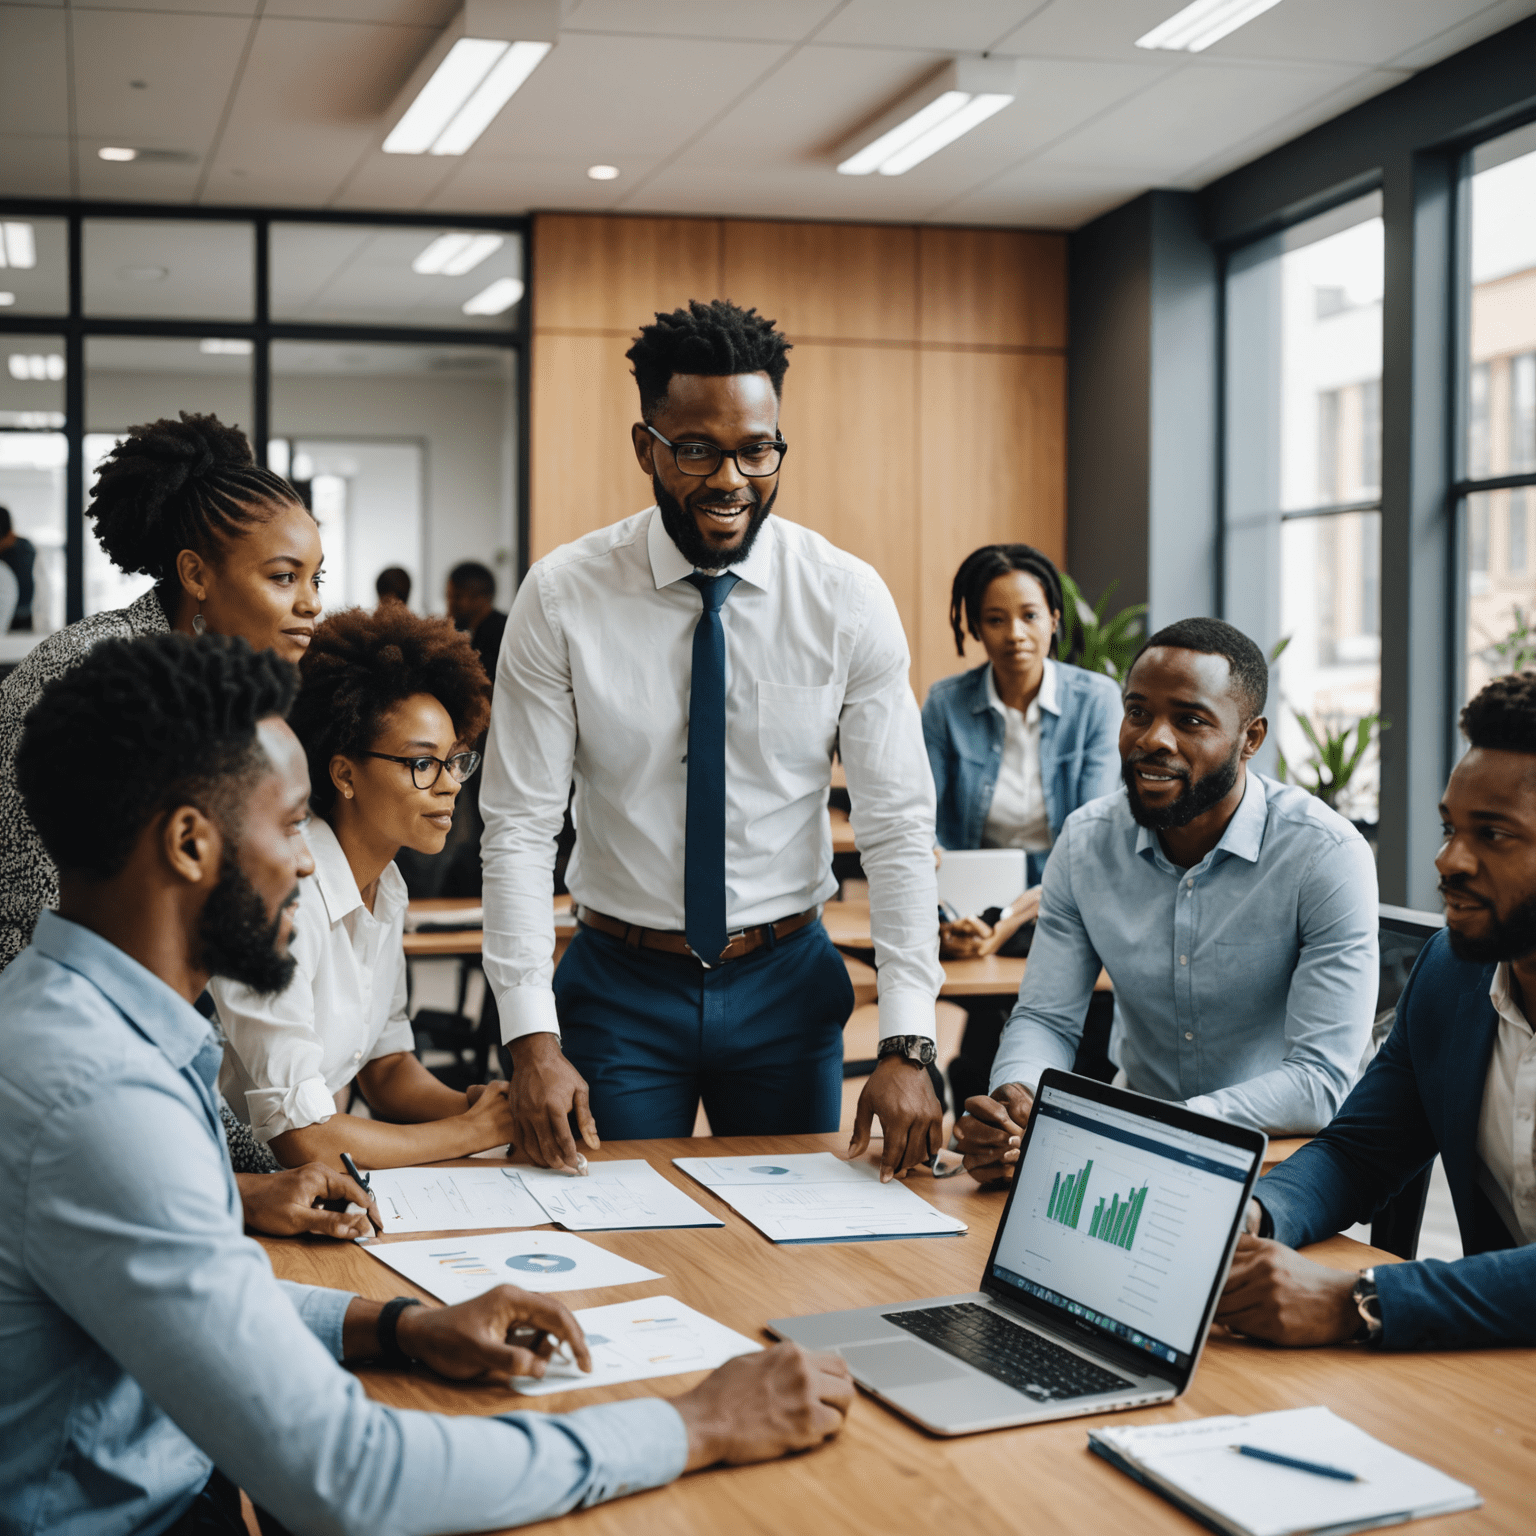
<point>34,165</point>
<point>245,8</point>
<point>34,84</point>
<point>1042,197</point>
<point>516,183</point>
<point>783,21</point>
<point>1488,20</point>
<point>435,14</point>
<point>941,24</point>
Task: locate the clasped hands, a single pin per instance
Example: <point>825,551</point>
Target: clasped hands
<point>972,938</point>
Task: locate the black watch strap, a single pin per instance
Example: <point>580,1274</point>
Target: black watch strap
<point>389,1319</point>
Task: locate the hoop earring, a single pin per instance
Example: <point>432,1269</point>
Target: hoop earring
<point>199,624</point>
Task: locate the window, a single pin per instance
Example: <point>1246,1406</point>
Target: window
<point>1303,478</point>
<point>1500,409</point>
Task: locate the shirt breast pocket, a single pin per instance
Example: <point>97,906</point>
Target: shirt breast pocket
<point>796,728</point>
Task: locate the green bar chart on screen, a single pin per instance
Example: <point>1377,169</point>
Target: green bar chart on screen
<point>1067,1192</point>
<point>1116,1223</point>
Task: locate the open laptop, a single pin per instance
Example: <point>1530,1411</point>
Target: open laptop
<point>1099,1290</point>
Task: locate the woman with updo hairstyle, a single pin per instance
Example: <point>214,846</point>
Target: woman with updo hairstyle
<point>389,705</point>
<point>1016,745</point>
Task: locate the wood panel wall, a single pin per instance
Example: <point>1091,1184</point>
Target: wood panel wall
<point>925,399</point>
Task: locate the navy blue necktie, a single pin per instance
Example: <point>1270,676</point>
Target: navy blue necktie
<point>704,847</point>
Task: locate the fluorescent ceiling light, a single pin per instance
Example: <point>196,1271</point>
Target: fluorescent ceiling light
<point>602,172</point>
<point>225,346</point>
<point>6,300</point>
<point>494,92</point>
<point>474,69</point>
<point>36,367</point>
<point>497,299</point>
<point>117,152</point>
<point>950,103</point>
<point>454,255</point>
<point>1197,26</point>
<point>18,248</point>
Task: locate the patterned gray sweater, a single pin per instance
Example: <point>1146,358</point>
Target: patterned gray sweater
<point>28,880</point>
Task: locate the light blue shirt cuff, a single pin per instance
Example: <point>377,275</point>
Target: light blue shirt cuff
<point>634,1445</point>
<point>322,1310</point>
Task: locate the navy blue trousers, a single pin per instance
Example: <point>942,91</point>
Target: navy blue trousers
<point>760,1039</point>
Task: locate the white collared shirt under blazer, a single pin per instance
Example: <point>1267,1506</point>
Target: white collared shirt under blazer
<point>288,1056</point>
<point>592,686</point>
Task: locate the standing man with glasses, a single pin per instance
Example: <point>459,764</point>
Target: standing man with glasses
<point>693,669</point>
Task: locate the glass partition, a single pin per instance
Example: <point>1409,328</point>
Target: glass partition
<point>179,269</point>
<point>34,266</point>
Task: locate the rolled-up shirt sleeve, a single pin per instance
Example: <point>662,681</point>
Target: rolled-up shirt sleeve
<point>137,1237</point>
<point>528,761</point>
<point>890,792</point>
<point>279,1047</point>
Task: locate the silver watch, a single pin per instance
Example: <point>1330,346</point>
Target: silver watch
<point>918,1049</point>
<point>1368,1303</point>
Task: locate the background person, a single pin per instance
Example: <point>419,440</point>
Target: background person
<point>1236,917</point>
<point>388,702</point>
<point>393,585</point>
<point>19,556</point>
<point>153,1365</point>
<point>1456,1078</point>
<point>471,599</point>
<point>692,667</point>
<point>1016,745</point>
<point>233,552</point>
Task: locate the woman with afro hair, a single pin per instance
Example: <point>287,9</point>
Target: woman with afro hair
<point>388,702</point>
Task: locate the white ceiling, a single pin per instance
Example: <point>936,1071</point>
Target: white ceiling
<point>706,106</point>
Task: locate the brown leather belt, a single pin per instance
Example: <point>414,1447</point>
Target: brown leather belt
<point>742,942</point>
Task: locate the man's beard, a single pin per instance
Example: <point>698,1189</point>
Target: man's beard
<point>239,940</point>
<point>684,531</point>
<point>1197,797</point>
<point>1508,938</point>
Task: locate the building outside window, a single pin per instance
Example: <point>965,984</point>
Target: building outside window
<point>1500,409</point>
<point>1302,567</point>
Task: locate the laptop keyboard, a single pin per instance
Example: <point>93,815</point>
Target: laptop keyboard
<point>1017,1356</point>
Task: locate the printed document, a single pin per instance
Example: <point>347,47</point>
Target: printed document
<point>453,1199</point>
<point>625,1194</point>
<point>457,1269</point>
<point>815,1197</point>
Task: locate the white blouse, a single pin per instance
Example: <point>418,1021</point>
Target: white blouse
<point>1017,816</point>
<point>287,1056</point>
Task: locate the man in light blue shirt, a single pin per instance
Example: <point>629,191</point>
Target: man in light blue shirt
<point>145,1341</point>
<point>1236,917</point>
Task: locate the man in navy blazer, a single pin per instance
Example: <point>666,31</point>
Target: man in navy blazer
<point>1457,1077</point>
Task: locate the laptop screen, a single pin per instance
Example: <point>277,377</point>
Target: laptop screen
<point>1121,1221</point>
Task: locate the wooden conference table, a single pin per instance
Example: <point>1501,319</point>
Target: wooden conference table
<point>1469,1413</point>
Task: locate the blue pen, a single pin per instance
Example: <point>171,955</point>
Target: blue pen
<point>1318,1468</point>
<point>351,1167</point>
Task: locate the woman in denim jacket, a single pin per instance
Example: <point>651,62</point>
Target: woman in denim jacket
<point>1016,745</point>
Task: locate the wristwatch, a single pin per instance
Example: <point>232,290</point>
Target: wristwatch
<point>390,1351</point>
<point>918,1049</point>
<point>1369,1305</point>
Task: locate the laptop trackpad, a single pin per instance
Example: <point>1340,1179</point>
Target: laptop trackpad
<point>888,1367</point>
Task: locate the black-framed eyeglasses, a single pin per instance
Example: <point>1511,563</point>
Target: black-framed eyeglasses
<point>701,460</point>
<point>426,771</point>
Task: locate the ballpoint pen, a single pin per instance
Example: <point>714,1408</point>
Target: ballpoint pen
<point>1317,1468</point>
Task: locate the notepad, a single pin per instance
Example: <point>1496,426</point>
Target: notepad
<point>815,1197</point>
<point>1195,1466</point>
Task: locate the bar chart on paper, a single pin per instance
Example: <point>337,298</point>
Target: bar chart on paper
<point>1117,1222</point>
<point>1067,1191</point>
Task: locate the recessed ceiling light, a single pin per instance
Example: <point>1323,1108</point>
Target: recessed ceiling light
<point>225,346</point>
<point>18,247</point>
<point>1197,26</point>
<point>476,76</point>
<point>497,299</point>
<point>454,255</point>
<point>117,152</point>
<point>6,300</point>
<point>603,172</point>
<point>950,103</point>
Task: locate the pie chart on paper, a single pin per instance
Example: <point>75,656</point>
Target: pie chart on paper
<point>541,1263</point>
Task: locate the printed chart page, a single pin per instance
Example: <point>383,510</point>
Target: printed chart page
<point>636,1340</point>
<point>456,1270</point>
<point>1197,1460</point>
<point>815,1197</point>
<point>453,1199</point>
<point>623,1195</point>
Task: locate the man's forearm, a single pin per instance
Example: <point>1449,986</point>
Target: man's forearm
<point>1028,1046</point>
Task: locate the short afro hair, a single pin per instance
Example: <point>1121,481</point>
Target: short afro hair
<point>138,728</point>
<point>1502,718</point>
<point>1215,637</point>
<point>360,665</point>
<point>981,568</point>
<point>175,485</point>
<point>394,581</point>
<point>711,340</point>
<point>473,579</point>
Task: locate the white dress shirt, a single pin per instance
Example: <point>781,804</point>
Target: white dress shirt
<point>1506,1130</point>
<point>1017,816</point>
<point>288,1056</point>
<point>593,684</point>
